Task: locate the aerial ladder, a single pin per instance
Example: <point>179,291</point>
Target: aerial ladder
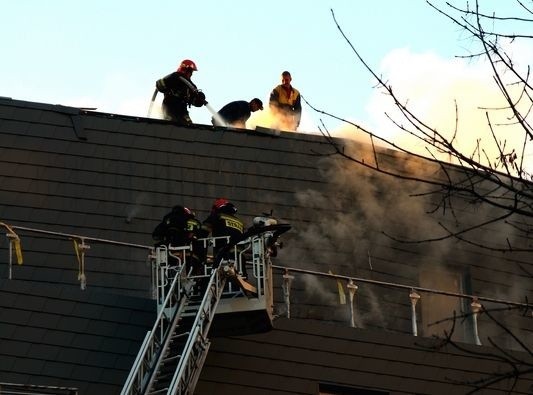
<point>173,352</point>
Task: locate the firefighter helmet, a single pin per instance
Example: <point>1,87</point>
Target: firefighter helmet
<point>187,64</point>
<point>224,206</point>
<point>188,212</point>
<point>185,211</point>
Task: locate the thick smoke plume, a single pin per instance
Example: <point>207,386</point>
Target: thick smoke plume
<point>358,216</point>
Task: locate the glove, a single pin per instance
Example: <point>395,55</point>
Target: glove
<point>199,99</point>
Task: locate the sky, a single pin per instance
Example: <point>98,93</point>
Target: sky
<point>108,54</point>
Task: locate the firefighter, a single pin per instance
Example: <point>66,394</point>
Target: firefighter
<point>285,103</point>
<point>180,93</point>
<point>223,222</point>
<point>238,112</point>
<point>181,228</point>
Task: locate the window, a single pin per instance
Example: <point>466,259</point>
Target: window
<point>437,310</point>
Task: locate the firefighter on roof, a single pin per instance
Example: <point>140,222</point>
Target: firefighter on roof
<point>180,93</point>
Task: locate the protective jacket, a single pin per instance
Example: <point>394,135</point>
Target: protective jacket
<point>181,228</point>
<point>176,228</point>
<point>178,97</point>
<point>224,224</point>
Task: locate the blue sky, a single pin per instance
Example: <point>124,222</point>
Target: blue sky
<point>108,54</point>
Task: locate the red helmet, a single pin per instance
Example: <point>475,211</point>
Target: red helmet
<point>223,205</point>
<point>187,64</point>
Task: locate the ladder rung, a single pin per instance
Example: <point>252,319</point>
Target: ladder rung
<point>177,335</point>
<point>174,352</point>
<point>159,391</point>
<point>171,358</point>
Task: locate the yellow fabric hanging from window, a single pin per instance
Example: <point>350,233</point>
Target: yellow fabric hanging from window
<point>342,295</point>
<point>14,240</point>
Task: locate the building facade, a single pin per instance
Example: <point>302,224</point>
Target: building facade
<point>77,320</point>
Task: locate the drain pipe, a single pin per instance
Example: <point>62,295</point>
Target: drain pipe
<point>352,288</point>
<point>414,299</point>
<point>287,280</point>
<point>476,307</point>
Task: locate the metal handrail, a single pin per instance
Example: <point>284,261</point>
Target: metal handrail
<point>88,238</point>
<point>80,248</point>
<point>413,296</point>
<point>402,286</point>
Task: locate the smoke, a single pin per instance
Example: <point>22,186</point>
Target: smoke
<point>268,118</point>
<point>456,97</point>
<point>353,216</point>
<point>432,87</point>
<point>133,210</point>
<point>318,288</point>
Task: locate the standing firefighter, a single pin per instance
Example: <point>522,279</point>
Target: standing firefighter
<point>180,93</point>
<point>285,103</point>
<point>223,222</point>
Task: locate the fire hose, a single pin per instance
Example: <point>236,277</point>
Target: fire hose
<point>190,86</point>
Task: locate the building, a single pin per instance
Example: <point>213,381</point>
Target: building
<point>111,178</point>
